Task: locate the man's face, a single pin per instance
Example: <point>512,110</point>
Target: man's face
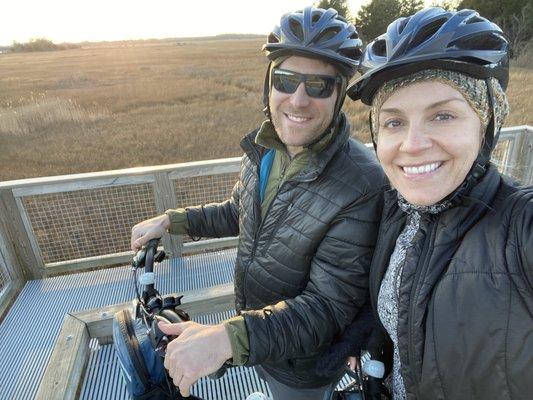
<point>298,118</point>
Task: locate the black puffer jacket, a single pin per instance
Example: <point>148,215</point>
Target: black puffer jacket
<point>301,274</point>
<point>465,316</point>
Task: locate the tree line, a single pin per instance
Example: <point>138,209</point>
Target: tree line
<point>515,17</point>
<point>40,44</point>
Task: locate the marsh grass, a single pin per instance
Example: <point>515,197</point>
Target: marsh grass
<point>119,105</point>
<point>43,114</point>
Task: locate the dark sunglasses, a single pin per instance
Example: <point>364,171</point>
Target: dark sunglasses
<point>319,86</point>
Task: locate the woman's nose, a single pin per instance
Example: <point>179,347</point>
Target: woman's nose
<point>416,140</point>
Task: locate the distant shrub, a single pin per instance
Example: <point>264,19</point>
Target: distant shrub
<point>40,44</point>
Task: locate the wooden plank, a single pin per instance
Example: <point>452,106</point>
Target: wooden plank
<point>16,239</point>
<point>66,367</point>
<point>127,172</point>
<point>71,186</point>
<point>526,156</point>
<point>207,169</point>
<point>8,257</point>
<point>81,264</point>
<point>31,236</point>
<point>165,198</point>
<point>210,244</point>
<point>196,302</point>
<point>125,257</point>
<point>9,295</point>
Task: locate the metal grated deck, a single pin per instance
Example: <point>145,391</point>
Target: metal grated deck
<point>103,381</point>
<point>30,329</point>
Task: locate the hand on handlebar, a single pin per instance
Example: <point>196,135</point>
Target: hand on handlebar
<point>198,350</point>
<point>149,229</point>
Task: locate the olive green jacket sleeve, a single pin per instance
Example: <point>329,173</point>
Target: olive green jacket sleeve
<point>179,225</point>
<point>238,336</point>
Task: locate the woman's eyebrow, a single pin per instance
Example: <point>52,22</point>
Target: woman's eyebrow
<point>442,102</point>
<point>391,111</point>
<point>394,110</point>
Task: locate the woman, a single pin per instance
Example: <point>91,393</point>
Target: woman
<point>452,277</point>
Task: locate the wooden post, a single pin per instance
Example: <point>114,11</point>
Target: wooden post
<point>15,240</point>
<point>526,158</point>
<point>165,198</point>
<point>69,359</point>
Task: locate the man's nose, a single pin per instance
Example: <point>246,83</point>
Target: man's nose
<point>300,98</point>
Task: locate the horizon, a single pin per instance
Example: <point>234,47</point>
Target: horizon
<point>61,21</point>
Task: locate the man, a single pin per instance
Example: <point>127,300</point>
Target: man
<point>306,209</point>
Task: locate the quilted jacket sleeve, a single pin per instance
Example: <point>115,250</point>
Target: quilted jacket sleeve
<point>216,219</point>
<point>336,290</point>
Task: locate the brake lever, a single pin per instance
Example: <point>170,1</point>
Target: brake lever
<point>159,339</point>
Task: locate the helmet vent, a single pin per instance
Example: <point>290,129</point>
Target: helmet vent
<point>327,34</point>
<point>272,38</point>
<point>402,24</point>
<point>353,53</point>
<point>379,48</point>
<point>296,29</point>
<point>480,42</point>
<point>427,31</point>
<point>315,18</point>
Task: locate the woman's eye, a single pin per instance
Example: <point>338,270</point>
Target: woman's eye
<point>392,123</point>
<point>444,117</point>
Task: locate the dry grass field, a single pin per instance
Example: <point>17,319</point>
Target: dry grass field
<point>119,105</point>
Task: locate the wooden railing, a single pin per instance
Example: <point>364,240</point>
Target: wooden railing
<point>70,223</point>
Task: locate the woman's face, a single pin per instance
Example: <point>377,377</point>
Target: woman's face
<point>428,138</point>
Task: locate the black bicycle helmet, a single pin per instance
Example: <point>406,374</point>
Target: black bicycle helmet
<point>461,41</point>
<point>315,32</point>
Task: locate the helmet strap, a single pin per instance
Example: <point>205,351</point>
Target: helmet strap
<point>372,133</point>
<point>266,92</point>
<point>482,161</point>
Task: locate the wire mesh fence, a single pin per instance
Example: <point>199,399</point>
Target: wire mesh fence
<point>500,155</point>
<point>87,223</point>
<point>514,154</point>
<point>204,190</point>
<point>81,223</point>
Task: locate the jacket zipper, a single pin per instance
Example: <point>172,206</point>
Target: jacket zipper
<point>258,231</point>
<point>257,211</point>
<point>256,235</point>
<point>412,299</point>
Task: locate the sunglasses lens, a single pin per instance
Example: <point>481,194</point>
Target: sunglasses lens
<point>317,86</point>
<point>285,83</point>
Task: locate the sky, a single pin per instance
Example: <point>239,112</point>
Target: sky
<point>98,20</point>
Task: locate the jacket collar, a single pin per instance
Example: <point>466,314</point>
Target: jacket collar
<point>453,224</point>
<point>481,194</point>
<point>317,159</point>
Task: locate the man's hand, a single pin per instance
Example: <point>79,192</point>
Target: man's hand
<point>353,362</point>
<point>152,228</point>
<point>199,350</point>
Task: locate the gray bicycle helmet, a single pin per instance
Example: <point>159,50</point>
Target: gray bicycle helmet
<point>461,41</point>
<point>315,32</point>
